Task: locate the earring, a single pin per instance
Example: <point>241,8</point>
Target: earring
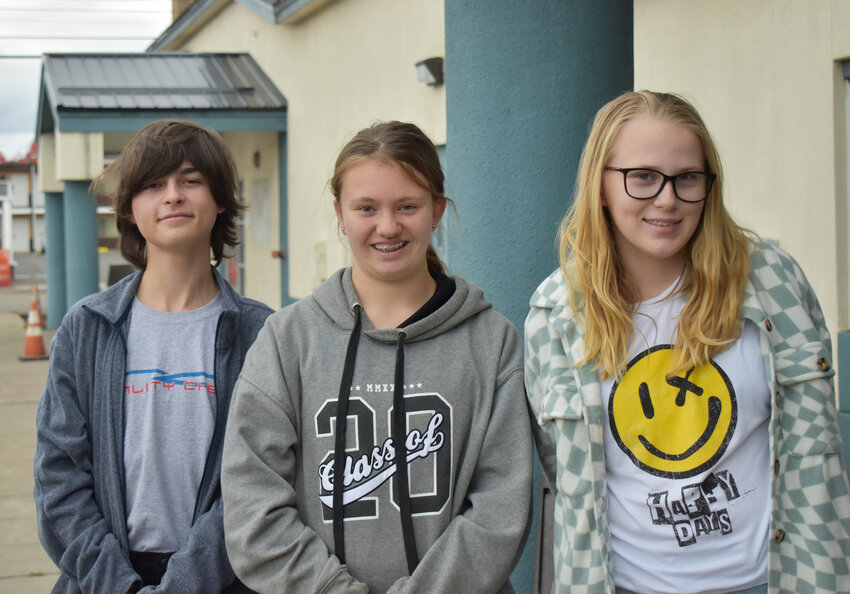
<point>342,229</point>
<point>433,227</point>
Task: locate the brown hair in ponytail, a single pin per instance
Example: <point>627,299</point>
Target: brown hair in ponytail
<point>402,144</point>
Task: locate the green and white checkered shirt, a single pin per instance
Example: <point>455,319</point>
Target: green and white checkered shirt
<point>810,517</point>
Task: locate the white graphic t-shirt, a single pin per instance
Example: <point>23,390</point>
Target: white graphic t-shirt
<point>169,419</point>
<point>687,462</point>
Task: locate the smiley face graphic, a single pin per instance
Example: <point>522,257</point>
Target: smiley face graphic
<point>675,426</point>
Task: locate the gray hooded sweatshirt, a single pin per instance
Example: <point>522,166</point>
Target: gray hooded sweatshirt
<point>466,435</point>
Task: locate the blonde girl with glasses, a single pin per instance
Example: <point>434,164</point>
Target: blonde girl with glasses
<point>679,371</point>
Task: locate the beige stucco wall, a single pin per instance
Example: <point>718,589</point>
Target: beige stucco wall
<point>114,142</point>
<point>260,221</point>
<point>79,156</point>
<point>47,178</point>
<point>342,67</point>
<point>766,78</point>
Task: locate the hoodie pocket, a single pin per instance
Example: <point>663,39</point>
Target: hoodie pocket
<point>561,407</point>
<point>806,400</point>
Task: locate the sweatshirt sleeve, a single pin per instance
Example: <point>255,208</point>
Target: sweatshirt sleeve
<point>809,454</point>
<point>201,564</point>
<point>71,525</point>
<point>481,546</point>
<point>542,346</point>
<point>270,548</point>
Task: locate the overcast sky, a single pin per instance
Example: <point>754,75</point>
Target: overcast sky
<point>29,28</point>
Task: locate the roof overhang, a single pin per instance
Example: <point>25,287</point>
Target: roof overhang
<point>202,11</point>
<point>124,92</point>
<point>121,121</point>
<point>188,23</point>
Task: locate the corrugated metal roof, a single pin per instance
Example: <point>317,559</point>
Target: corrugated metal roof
<point>158,81</point>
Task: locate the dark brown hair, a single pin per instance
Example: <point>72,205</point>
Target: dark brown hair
<point>402,144</point>
<point>158,150</point>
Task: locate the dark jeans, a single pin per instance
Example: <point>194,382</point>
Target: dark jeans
<point>151,567</point>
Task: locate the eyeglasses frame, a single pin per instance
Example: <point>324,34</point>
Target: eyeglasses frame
<point>671,178</point>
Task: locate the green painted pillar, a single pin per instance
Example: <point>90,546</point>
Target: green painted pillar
<point>843,384</point>
<point>523,81</point>
<point>57,288</point>
<point>283,219</point>
<point>80,222</point>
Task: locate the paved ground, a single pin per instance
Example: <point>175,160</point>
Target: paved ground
<point>24,567</point>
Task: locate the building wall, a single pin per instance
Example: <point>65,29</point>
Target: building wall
<point>20,187</point>
<point>259,179</point>
<point>342,67</point>
<point>20,234</point>
<point>766,76</point>
<point>25,227</point>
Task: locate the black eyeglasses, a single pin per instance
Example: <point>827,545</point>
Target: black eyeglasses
<point>645,184</point>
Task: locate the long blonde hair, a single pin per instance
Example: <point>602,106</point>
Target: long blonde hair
<point>603,296</point>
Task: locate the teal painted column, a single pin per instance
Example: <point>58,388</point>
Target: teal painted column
<point>80,218</point>
<point>57,288</point>
<point>523,81</point>
<point>844,392</point>
<point>283,218</point>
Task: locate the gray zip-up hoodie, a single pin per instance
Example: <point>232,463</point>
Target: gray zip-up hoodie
<point>466,434</point>
<point>79,470</point>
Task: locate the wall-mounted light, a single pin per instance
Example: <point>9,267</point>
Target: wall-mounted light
<point>430,71</point>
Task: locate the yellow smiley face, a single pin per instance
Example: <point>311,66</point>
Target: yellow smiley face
<point>673,427</point>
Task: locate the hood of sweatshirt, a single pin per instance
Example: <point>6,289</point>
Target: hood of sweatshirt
<point>336,298</point>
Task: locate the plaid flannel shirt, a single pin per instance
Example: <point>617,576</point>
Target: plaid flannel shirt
<point>810,515</point>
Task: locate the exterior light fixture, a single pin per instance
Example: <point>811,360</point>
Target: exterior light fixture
<point>430,71</point>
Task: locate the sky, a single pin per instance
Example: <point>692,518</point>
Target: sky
<point>30,28</point>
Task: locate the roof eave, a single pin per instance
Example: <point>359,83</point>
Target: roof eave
<point>46,105</point>
<point>279,11</point>
<point>201,11</point>
<point>223,120</point>
<point>192,19</point>
<point>289,11</point>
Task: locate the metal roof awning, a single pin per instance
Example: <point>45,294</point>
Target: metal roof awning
<point>123,92</point>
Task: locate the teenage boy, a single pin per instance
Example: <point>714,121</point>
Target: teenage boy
<point>131,420</point>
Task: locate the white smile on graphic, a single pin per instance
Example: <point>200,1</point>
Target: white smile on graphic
<point>389,247</point>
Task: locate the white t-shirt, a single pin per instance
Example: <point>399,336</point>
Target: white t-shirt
<point>169,420</point>
<point>687,462</point>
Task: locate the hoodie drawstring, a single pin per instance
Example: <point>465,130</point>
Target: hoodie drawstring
<point>399,436</point>
<point>339,445</point>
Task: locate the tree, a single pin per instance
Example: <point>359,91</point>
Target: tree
<point>32,154</point>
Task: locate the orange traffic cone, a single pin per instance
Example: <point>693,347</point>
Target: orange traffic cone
<point>37,300</point>
<point>34,345</point>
